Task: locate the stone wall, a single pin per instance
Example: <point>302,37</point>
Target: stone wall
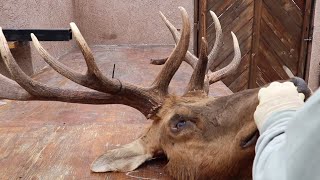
<point>129,22</point>
<point>101,22</point>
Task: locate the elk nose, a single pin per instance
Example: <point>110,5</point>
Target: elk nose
<point>302,86</point>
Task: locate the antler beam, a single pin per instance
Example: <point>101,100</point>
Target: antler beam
<point>107,91</point>
<point>177,56</point>
<point>191,59</point>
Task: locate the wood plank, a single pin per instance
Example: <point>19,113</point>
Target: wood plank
<point>300,4</point>
<point>242,67</point>
<point>227,50</point>
<point>266,67</point>
<point>219,7</point>
<point>309,45</point>
<point>202,18</point>
<point>261,81</point>
<point>245,47</point>
<point>241,27</point>
<point>241,81</point>
<point>305,35</point>
<point>244,87</point>
<point>255,43</point>
<point>291,10</point>
<point>195,26</point>
<point>230,24</point>
<point>231,13</point>
<point>213,3</point>
<point>288,56</point>
<point>269,55</point>
<point>279,13</point>
<point>277,27</point>
<point>265,77</point>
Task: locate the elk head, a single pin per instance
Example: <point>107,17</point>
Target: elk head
<point>202,136</point>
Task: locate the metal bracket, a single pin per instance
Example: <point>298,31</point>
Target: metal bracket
<point>42,34</point>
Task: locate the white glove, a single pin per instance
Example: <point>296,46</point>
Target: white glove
<point>277,97</point>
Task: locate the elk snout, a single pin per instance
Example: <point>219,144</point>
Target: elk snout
<point>302,86</point>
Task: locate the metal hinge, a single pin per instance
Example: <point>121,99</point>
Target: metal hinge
<point>309,39</point>
<point>196,26</point>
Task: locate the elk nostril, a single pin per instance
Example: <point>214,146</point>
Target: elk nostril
<point>250,140</point>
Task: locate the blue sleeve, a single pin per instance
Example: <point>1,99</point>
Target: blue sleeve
<point>269,161</point>
<point>289,144</point>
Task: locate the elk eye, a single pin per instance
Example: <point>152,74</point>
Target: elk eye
<point>180,124</point>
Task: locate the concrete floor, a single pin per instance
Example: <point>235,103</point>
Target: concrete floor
<point>54,140</point>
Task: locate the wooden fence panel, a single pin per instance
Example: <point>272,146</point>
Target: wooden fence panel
<point>271,34</point>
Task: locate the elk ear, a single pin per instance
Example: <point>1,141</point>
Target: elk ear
<point>126,158</point>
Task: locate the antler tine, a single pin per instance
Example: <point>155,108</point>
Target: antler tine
<point>197,79</point>
<point>174,61</point>
<point>175,33</point>
<point>133,96</point>
<point>93,70</point>
<point>9,89</point>
<point>189,58</point>
<point>34,88</point>
<point>218,42</point>
<point>84,80</point>
<point>230,68</point>
<point>17,74</point>
<point>93,78</point>
<point>56,65</point>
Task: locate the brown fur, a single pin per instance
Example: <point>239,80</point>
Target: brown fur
<point>210,148</point>
<point>212,144</point>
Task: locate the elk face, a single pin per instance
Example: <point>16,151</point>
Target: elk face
<point>209,137</point>
<point>199,136</point>
<point>203,137</point>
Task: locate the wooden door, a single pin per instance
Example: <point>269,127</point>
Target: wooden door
<point>271,33</point>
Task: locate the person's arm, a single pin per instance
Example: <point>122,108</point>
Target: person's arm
<point>269,158</point>
<point>277,106</point>
<point>289,144</point>
<point>303,142</point>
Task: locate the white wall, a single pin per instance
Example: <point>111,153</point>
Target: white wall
<point>315,53</point>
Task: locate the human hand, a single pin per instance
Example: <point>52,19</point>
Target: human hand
<point>277,97</point>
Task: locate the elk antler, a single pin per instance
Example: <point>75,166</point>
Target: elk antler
<point>230,68</point>
<point>197,81</point>
<point>108,91</point>
<point>175,59</point>
<point>191,59</point>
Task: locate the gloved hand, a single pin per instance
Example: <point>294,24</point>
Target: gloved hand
<point>274,98</point>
